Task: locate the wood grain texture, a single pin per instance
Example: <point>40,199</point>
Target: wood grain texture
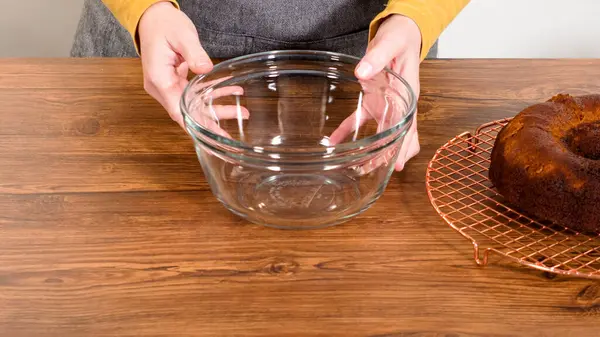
<point>108,226</point>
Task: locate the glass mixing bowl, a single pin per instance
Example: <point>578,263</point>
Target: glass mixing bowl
<point>291,139</point>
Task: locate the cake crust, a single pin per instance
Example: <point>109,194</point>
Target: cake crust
<point>545,161</point>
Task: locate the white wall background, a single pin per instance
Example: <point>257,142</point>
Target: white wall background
<point>524,28</point>
<point>486,28</point>
<point>32,28</point>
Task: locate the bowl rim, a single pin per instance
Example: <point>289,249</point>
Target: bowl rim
<point>329,150</point>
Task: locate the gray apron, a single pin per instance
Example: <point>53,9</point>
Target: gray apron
<point>231,28</point>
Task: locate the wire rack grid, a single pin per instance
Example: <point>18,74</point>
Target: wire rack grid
<point>460,191</point>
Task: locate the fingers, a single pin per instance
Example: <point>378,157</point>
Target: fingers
<point>211,116</point>
<point>225,91</point>
<point>410,147</point>
<point>214,127</point>
<point>381,159</point>
<point>382,51</point>
<point>348,126</point>
<point>169,97</point>
<point>187,44</point>
<point>397,35</point>
<point>229,112</point>
<point>407,66</point>
<point>169,49</point>
<point>372,106</point>
<point>397,44</point>
<point>162,80</point>
<point>183,70</point>
<point>219,112</point>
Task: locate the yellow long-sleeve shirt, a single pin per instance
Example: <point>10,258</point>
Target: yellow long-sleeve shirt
<point>432,16</point>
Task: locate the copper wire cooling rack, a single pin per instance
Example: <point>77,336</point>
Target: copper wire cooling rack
<point>459,190</point>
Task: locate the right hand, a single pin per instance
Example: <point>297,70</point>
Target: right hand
<point>169,49</point>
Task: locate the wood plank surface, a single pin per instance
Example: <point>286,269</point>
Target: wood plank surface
<point>108,226</point>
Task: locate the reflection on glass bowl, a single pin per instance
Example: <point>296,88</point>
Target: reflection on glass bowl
<point>291,139</point>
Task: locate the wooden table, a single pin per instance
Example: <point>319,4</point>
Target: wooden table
<point>108,227</point>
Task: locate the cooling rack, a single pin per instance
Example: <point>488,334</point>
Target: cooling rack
<point>460,191</point>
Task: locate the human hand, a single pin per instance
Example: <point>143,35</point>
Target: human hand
<point>397,45</point>
<point>169,49</point>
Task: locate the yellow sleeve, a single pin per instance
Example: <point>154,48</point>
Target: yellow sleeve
<point>129,13</point>
<point>432,17</point>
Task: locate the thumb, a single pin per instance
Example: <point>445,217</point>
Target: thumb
<point>188,46</point>
<point>378,56</point>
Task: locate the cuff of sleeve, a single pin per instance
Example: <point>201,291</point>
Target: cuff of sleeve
<point>430,26</point>
<point>130,14</point>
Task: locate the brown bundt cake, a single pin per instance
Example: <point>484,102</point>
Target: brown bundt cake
<point>546,162</point>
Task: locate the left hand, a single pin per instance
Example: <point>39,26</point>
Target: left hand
<point>397,45</point>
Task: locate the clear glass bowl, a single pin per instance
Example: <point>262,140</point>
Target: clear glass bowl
<point>291,139</point>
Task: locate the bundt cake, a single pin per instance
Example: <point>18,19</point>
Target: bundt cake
<point>546,162</point>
